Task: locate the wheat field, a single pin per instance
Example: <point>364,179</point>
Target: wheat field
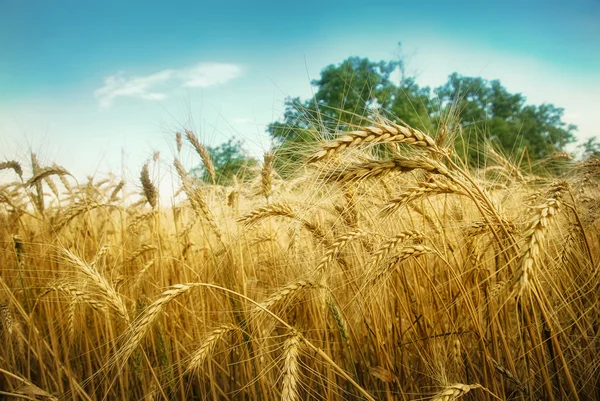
<point>386,268</point>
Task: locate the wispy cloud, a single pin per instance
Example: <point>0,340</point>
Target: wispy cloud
<point>157,85</point>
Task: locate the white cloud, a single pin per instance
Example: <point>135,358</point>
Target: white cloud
<point>155,86</point>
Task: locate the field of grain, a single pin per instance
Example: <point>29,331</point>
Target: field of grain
<point>385,269</point>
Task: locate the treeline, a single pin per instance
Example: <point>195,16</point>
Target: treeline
<point>473,110</point>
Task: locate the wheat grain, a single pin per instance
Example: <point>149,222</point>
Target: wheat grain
<point>204,155</point>
<point>534,238</point>
<point>197,199</point>
<point>267,176</point>
<point>338,244</point>
<point>150,190</point>
<point>423,189</point>
<point>291,373</point>
<point>454,391</point>
<point>382,133</point>
<point>207,347</point>
<point>380,168</point>
<point>284,293</point>
<point>142,325</point>
<point>106,289</point>
<point>43,173</point>
<point>14,165</point>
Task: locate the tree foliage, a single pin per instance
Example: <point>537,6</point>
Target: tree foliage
<point>359,88</point>
<point>230,160</point>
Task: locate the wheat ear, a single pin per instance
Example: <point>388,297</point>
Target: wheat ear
<point>142,325</point>
<point>285,292</point>
<point>291,373</point>
<point>267,176</point>
<point>404,253</point>
<point>534,237</point>
<point>380,168</point>
<point>207,347</point>
<point>382,133</point>
<point>204,155</point>
<point>336,246</point>
<point>197,199</point>
<point>108,292</point>
<point>14,165</point>
<point>423,189</point>
<point>149,189</point>
<point>391,243</point>
<point>454,391</point>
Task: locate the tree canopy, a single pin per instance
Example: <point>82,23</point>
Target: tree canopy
<point>484,110</point>
<point>229,160</point>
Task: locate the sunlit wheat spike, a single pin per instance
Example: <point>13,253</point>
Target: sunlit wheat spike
<point>291,372</point>
<point>405,252</point>
<point>534,239</point>
<point>387,132</point>
<point>284,293</point>
<point>206,349</point>
<point>339,243</point>
<point>14,165</point>
<point>150,190</point>
<point>140,327</point>
<point>380,168</point>
<point>267,175</point>
<point>6,321</point>
<point>44,173</point>
<point>73,211</point>
<point>197,199</point>
<point>506,373</point>
<point>76,294</point>
<point>391,243</point>
<point>454,391</point>
<point>115,192</point>
<point>138,252</point>
<point>423,189</point>
<point>274,209</point>
<point>179,141</point>
<point>108,292</point>
<point>204,155</point>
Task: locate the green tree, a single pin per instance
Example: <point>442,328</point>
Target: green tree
<point>591,148</point>
<point>486,110</point>
<point>346,94</point>
<point>230,159</point>
<point>358,88</point>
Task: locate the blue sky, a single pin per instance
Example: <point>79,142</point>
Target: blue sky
<point>79,81</point>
